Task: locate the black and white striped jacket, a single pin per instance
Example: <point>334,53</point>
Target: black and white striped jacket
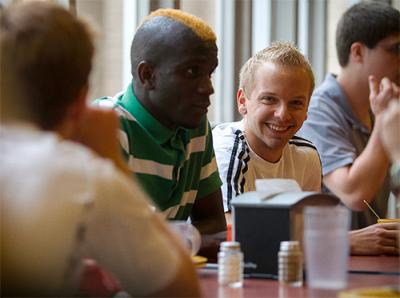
<point>239,166</point>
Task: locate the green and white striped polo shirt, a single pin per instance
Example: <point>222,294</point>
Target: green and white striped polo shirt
<point>175,167</point>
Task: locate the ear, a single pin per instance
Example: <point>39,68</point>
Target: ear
<point>241,102</point>
<point>146,74</point>
<point>357,52</point>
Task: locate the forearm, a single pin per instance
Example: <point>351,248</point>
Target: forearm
<point>209,226</point>
<point>390,133</point>
<point>228,218</point>
<point>208,217</point>
<point>208,214</point>
<point>363,179</point>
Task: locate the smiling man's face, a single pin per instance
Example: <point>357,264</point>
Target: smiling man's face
<point>275,109</point>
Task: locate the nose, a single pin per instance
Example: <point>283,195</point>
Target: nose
<point>205,86</point>
<point>282,112</point>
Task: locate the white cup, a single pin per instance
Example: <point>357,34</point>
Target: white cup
<point>188,234</point>
<point>326,246</point>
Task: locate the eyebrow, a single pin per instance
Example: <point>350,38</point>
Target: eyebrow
<point>276,95</point>
<point>195,60</point>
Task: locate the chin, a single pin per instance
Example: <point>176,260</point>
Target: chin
<point>190,125</point>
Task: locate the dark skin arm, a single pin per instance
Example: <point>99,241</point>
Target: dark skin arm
<point>208,217</point>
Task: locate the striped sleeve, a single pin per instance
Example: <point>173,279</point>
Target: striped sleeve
<point>237,167</point>
<point>233,156</point>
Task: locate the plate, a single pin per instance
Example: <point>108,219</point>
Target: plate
<point>199,261</point>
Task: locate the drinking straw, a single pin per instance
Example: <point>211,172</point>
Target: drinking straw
<point>370,208</point>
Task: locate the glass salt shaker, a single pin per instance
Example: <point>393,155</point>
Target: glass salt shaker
<point>290,263</point>
<point>230,265</point>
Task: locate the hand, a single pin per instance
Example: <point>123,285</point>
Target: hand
<point>376,239</point>
<point>98,130</point>
<point>389,133</point>
<point>381,93</point>
<point>210,245</point>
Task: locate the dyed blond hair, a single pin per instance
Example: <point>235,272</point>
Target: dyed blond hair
<point>282,53</point>
<point>198,26</point>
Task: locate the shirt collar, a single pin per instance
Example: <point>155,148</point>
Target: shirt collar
<point>341,99</point>
<point>151,125</point>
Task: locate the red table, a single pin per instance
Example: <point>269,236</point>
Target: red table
<point>376,271</point>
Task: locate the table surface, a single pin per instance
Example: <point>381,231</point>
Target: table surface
<point>370,271</point>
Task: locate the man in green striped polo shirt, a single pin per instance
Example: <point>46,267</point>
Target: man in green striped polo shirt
<point>165,134</point>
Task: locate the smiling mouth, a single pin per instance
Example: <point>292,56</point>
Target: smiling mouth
<point>278,128</point>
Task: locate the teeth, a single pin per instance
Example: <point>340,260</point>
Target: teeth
<point>277,128</point>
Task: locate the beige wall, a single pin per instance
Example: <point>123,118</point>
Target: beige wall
<point>105,15</point>
<point>335,9</point>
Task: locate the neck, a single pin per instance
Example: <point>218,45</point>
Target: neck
<point>357,94</point>
<point>262,149</point>
<point>64,130</point>
<point>144,98</point>
<point>270,156</point>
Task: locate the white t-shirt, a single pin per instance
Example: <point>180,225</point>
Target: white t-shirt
<point>59,202</point>
<point>239,166</point>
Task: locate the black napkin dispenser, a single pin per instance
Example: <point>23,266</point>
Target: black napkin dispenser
<point>261,222</point>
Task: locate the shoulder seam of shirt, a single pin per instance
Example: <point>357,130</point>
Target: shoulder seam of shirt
<point>302,142</point>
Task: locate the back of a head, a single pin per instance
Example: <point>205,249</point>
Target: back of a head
<point>367,23</point>
<point>46,59</point>
<point>158,31</point>
<point>282,53</point>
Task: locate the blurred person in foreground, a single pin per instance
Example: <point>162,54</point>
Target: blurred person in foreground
<point>344,120</point>
<point>62,200</point>
<point>165,135</point>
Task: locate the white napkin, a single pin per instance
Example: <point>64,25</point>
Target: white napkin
<point>272,187</point>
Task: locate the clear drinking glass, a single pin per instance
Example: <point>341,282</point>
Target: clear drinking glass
<point>326,246</point>
<point>188,234</point>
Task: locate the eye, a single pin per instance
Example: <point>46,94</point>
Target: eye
<point>298,103</point>
<point>267,99</point>
<point>192,72</point>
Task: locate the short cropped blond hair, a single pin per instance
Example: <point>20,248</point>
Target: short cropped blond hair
<point>282,53</point>
<point>198,26</point>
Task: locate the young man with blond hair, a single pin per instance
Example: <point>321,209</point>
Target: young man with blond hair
<point>274,91</point>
